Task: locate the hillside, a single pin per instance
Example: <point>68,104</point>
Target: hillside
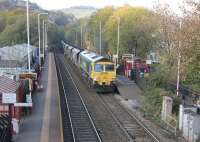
<point>79,11</point>
<point>13,23</point>
<point>11,4</point>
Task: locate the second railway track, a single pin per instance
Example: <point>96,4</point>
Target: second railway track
<point>136,130</point>
<point>131,127</point>
<point>79,126</point>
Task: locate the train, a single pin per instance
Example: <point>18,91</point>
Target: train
<point>99,72</point>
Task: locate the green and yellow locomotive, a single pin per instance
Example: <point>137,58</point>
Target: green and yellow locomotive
<point>98,70</point>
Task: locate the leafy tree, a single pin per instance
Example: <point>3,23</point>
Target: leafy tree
<point>13,28</point>
<point>137,26</point>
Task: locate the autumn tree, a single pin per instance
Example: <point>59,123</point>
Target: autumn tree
<point>138,28</point>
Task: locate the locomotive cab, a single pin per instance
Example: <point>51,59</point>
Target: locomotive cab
<point>103,74</point>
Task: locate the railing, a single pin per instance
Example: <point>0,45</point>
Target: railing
<point>170,123</point>
<point>5,128</point>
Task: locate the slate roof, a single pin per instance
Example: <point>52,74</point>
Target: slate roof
<point>8,85</point>
<point>9,64</point>
<point>17,52</point>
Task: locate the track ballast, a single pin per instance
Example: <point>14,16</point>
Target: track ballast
<point>78,125</point>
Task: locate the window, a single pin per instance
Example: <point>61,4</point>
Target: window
<point>109,67</point>
<point>98,68</point>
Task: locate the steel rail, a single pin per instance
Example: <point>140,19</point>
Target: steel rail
<point>119,123</point>
<point>83,103</point>
<point>65,95</point>
<point>112,115</point>
<point>137,121</point>
<point>116,120</point>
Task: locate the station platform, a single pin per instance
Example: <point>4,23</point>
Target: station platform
<point>45,122</point>
<point>129,90</point>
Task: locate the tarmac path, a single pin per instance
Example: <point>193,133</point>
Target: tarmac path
<point>44,124</point>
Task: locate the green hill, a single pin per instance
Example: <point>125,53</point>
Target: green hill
<point>12,4</point>
<point>79,11</point>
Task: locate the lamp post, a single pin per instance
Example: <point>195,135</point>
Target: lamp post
<point>179,61</point>
<point>39,34</point>
<point>81,36</point>
<point>46,38</point>
<point>76,39</point>
<point>118,39</point>
<point>118,34</point>
<point>100,37</point>
<point>28,37</point>
<point>28,40</point>
<point>43,41</point>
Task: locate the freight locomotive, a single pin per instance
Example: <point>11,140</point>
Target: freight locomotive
<point>97,70</point>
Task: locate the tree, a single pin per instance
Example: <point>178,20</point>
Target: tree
<point>137,27</point>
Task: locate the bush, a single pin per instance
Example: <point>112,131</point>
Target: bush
<point>152,101</point>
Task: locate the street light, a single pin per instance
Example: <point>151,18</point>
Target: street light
<point>28,37</point>
<point>179,61</point>
<point>118,38</point>
<point>46,37</point>
<point>100,37</point>
<point>39,33</point>
<point>118,24</point>
<point>43,37</point>
<point>81,36</point>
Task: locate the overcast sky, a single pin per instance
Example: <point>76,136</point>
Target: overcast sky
<point>58,4</point>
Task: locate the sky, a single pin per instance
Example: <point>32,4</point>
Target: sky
<point>59,4</point>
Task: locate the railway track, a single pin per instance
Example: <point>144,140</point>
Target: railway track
<point>78,124</point>
<point>135,129</point>
<point>108,128</point>
<point>131,127</point>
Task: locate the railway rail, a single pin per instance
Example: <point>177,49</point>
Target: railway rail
<point>108,128</point>
<point>133,129</point>
<point>78,124</point>
<point>130,134</point>
<point>136,130</point>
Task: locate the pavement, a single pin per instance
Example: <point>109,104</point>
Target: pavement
<point>45,123</point>
<point>129,91</point>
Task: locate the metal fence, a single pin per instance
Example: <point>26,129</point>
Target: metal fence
<point>5,128</point>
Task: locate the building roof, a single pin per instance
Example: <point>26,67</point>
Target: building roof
<point>8,85</point>
<point>17,52</point>
<point>9,64</point>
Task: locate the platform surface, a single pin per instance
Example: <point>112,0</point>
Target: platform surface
<point>128,89</point>
<point>44,124</point>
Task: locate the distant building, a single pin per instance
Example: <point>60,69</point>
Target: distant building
<point>14,59</point>
<point>153,58</point>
